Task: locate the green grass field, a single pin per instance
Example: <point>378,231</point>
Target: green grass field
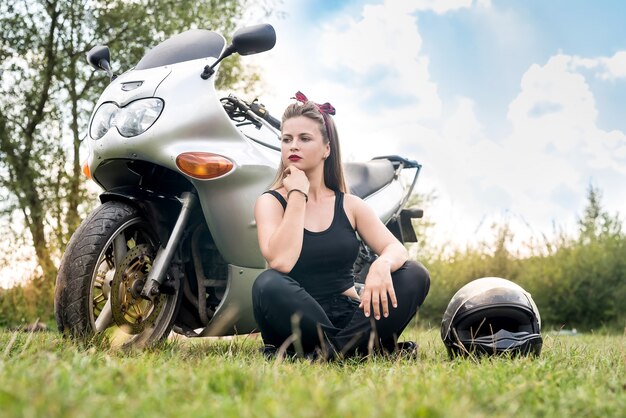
<point>43,375</point>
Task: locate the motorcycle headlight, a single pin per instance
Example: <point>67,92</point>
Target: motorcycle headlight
<point>102,120</point>
<point>138,116</point>
<point>131,120</point>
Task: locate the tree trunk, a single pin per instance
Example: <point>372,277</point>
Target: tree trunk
<point>72,219</point>
<point>35,222</point>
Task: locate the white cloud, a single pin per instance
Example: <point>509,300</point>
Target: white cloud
<point>556,145</point>
<point>608,68</point>
<point>608,151</point>
<point>615,66</point>
<point>440,6</point>
<point>381,51</point>
<point>555,106</point>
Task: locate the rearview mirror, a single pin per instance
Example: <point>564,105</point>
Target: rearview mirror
<point>246,41</point>
<point>99,58</point>
<point>254,39</point>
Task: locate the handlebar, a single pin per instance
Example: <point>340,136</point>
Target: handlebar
<point>254,112</point>
<point>259,110</point>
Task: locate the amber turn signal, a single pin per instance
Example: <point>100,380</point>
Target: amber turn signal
<point>86,170</point>
<point>203,165</point>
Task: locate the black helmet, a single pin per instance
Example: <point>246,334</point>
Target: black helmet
<point>491,316</point>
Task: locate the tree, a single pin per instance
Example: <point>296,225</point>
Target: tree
<point>596,222</point>
<point>47,91</point>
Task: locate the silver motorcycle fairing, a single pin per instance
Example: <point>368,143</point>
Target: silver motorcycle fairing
<point>184,126</point>
<point>386,201</point>
<point>233,316</point>
<point>150,80</point>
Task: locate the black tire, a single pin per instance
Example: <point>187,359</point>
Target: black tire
<point>90,261</point>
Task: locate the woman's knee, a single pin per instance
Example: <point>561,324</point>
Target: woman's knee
<point>268,282</point>
<point>413,278</point>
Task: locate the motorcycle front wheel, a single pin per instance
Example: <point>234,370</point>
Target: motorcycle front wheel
<point>101,276</point>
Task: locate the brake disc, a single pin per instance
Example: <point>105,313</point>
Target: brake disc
<point>132,313</point>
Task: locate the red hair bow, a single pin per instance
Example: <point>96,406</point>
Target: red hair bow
<point>324,108</point>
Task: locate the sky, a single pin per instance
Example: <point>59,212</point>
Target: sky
<point>514,108</point>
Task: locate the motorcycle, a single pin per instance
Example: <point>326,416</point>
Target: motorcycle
<point>173,245</point>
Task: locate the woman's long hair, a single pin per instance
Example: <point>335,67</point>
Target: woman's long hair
<point>333,170</point>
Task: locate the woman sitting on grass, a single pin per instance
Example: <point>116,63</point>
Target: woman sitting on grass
<point>307,225</point>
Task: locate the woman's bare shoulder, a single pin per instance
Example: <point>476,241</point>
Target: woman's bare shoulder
<point>267,201</point>
<point>352,205</point>
<point>268,210</point>
<point>353,202</point>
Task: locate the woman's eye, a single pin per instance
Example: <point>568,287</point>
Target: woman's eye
<point>285,140</point>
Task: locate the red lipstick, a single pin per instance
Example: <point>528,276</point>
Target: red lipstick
<point>294,158</point>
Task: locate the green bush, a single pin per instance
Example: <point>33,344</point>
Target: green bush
<point>27,303</point>
<point>576,282</point>
<point>451,272</point>
<point>582,285</point>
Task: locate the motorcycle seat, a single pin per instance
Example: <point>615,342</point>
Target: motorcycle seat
<point>367,178</point>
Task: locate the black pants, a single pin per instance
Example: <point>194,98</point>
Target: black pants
<point>282,309</point>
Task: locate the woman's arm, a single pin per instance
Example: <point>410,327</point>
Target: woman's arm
<point>281,234</point>
<point>391,256</point>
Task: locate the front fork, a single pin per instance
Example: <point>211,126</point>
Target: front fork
<point>164,255</point>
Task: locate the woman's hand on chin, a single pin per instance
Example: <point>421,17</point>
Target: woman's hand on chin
<point>294,178</point>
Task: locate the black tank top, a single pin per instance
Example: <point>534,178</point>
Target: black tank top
<point>324,267</point>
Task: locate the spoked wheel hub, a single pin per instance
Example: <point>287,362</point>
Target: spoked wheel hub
<point>131,312</point>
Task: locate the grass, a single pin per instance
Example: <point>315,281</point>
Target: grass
<point>44,375</point>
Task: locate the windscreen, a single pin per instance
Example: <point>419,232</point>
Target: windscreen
<point>190,45</point>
